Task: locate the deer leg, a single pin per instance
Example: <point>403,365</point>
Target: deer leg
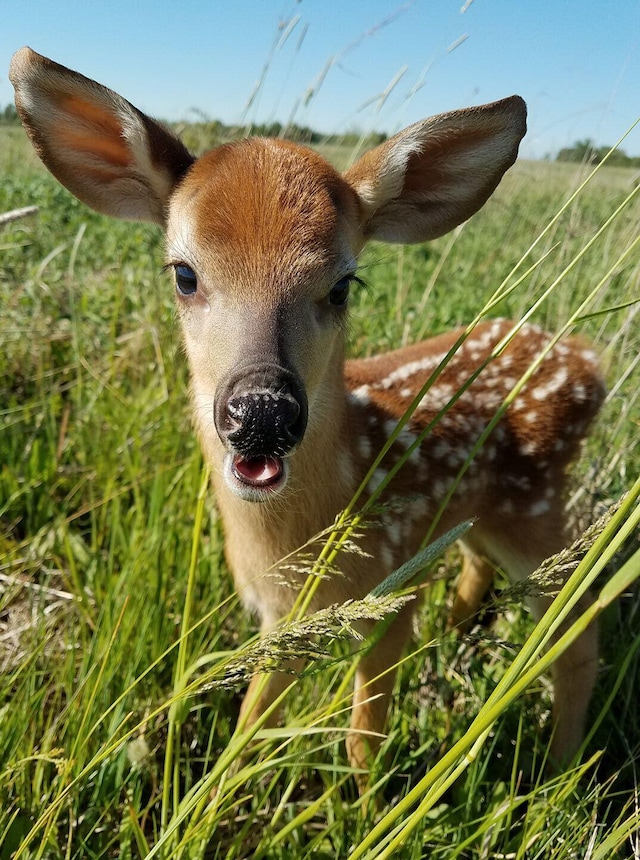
<point>574,673</point>
<point>374,681</point>
<point>262,692</point>
<point>573,676</point>
<point>475,579</point>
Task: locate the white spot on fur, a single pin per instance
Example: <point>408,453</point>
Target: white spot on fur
<point>576,429</point>
<point>481,341</point>
<point>499,434</point>
<point>506,360</point>
<point>579,392</point>
<point>386,554</point>
<point>437,397</point>
<point>531,330</point>
<point>400,374</point>
<point>538,508</point>
<point>520,482</point>
<point>365,448</point>
<point>419,508</point>
<point>439,488</point>
<point>376,479</point>
<point>463,485</point>
<point>407,440</point>
<point>552,385</point>
<point>439,449</point>
<point>404,437</point>
<point>495,330</point>
<point>464,423</point>
<point>457,457</point>
<point>361,395</point>
<point>394,531</point>
<point>493,381</point>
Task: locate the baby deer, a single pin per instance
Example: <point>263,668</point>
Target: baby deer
<point>263,237</point>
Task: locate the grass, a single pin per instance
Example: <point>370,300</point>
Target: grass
<point>123,648</point>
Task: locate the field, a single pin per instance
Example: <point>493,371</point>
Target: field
<point>123,650</point>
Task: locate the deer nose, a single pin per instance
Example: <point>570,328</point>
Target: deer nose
<point>263,413</point>
<point>264,423</point>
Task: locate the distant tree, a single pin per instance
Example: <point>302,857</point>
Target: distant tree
<point>9,115</point>
<point>586,152</point>
<point>582,151</point>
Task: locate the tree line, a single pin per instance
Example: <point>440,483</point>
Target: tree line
<point>9,115</point>
<point>217,129</point>
<point>586,152</point>
<point>582,152</point>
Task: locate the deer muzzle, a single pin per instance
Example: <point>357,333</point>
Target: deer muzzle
<point>260,415</point>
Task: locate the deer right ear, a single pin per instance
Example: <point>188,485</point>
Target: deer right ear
<point>103,149</point>
<point>432,176</point>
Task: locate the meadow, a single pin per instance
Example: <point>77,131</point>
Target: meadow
<point>123,650</point>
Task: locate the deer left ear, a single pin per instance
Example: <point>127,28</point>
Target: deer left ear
<point>435,174</point>
<point>103,149</point>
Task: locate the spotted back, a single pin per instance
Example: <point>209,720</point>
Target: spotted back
<point>519,469</point>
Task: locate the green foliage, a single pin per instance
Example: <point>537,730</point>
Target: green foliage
<point>204,134</point>
<point>586,152</point>
<point>121,639</point>
<point>9,115</point>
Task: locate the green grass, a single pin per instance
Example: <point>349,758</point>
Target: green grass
<point>122,644</point>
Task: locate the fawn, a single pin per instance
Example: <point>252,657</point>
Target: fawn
<point>263,237</point>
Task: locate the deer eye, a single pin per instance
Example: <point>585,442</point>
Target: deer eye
<point>186,280</point>
<point>339,293</point>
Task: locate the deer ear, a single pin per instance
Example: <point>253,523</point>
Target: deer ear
<point>435,174</point>
<point>103,149</point>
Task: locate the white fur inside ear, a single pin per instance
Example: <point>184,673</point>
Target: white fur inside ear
<point>158,180</point>
<point>390,179</point>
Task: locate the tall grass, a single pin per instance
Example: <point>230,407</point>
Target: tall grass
<point>123,646</point>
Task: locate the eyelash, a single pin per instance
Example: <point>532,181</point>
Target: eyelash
<point>339,293</point>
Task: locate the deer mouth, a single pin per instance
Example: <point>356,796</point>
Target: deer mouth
<point>258,471</point>
<point>255,478</point>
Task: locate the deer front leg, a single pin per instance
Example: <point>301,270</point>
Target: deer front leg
<point>374,681</point>
<point>262,692</point>
<point>475,578</point>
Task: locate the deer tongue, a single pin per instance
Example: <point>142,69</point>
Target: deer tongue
<point>257,471</point>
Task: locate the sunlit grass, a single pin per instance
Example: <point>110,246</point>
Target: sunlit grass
<point>123,646</point>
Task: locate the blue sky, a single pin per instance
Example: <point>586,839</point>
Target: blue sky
<point>577,64</point>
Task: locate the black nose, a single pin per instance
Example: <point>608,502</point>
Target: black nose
<point>261,412</point>
<point>266,423</point>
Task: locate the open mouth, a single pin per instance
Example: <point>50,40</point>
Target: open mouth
<point>258,471</point>
<point>255,478</point>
